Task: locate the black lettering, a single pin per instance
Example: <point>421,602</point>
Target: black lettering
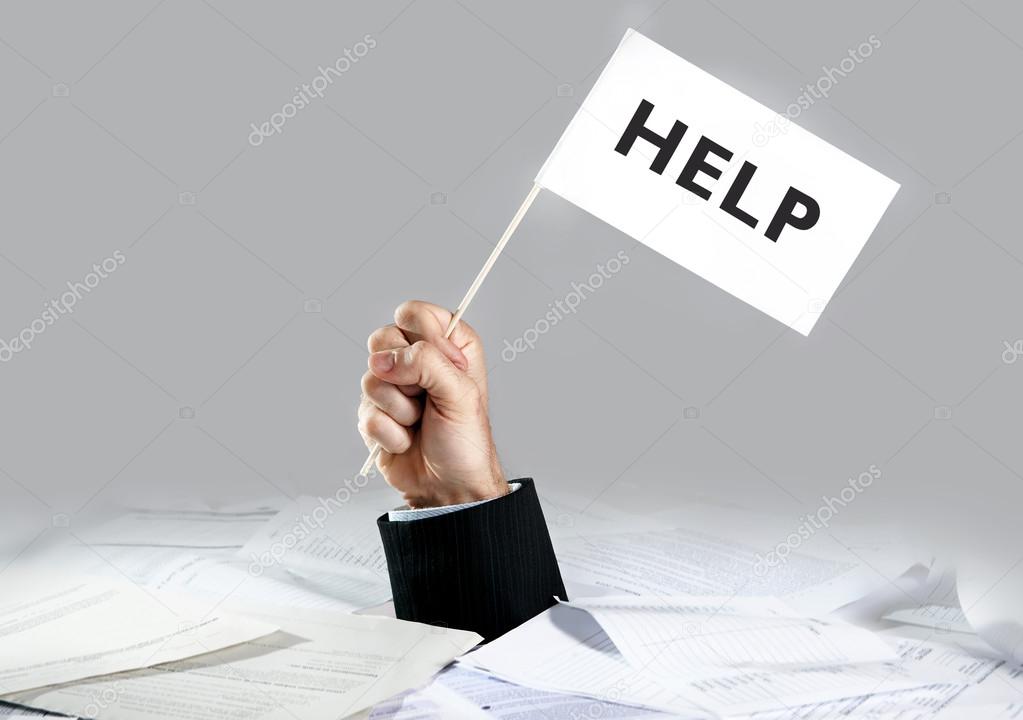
<point>637,129</point>
<point>731,202</point>
<point>697,163</point>
<point>784,215</point>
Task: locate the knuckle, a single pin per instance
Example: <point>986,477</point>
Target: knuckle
<point>373,422</point>
<point>468,330</point>
<point>406,313</point>
<point>368,383</point>
<point>364,406</point>
<point>375,339</point>
<point>418,352</point>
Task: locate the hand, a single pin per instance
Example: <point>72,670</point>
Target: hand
<point>424,400</point>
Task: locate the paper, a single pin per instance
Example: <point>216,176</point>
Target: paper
<point>179,528</point>
<point>742,655</point>
<point>968,681</point>
<point>1002,687</point>
<point>564,650</point>
<point>325,540</point>
<point>471,695</point>
<point>56,633</point>
<point>320,666</point>
<point>667,154</point>
<point>688,562</point>
<point>14,712</point>
<point>209,575</point>
<point>940,617</point>
<point>690,637</point>
<point>989,590</point>
<point>209,581</point>
<point>995,711</point>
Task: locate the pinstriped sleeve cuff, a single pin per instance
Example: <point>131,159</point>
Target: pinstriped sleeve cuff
<point>406,514</point>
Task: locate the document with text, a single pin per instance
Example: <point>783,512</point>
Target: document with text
<point>320,666</point>
<point>56,633</point>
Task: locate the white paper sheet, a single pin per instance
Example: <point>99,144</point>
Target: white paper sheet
<point>941,617</point>
<point>209,575</point>
<point>690,562</point>
<point>468,694</point>
<point>324,540</point>
<point>969,681</point>
<point>179,528</point>
<point>58,632</point>
<point>743,655</point>
<point>209,581</point>
<point>995,711</point>
<point>1003,687</point>
<point>321,666</point>
<point>693,637</point>
<point>564,650</point>
<point>14,712</point>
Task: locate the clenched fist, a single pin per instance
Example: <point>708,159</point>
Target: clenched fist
<point>424,399</point>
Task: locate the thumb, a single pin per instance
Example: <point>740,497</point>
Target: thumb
<point>423,364</point>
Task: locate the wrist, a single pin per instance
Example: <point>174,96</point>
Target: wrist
<point>459,493</point>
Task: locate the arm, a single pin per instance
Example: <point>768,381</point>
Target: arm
<point>487,567</point>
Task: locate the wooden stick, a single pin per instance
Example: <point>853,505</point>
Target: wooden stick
<point>471,293</point>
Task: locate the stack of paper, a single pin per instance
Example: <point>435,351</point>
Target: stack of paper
<point>244,613</point>
<point>691,561</point>
<point>16,712</point>
<point>328,542</point>
<point>319,666</point>
<point>948,618</point>
<point>683,655</point>
<point>162,614</point>
<point>52,633</point>
<point>468,695</point>
<point>248,553</point>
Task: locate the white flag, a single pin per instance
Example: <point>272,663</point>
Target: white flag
<point>681,161</point>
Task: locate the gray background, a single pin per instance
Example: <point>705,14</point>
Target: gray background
<point>200,371</point>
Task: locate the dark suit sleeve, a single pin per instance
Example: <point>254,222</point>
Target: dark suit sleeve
<point>487,568</point>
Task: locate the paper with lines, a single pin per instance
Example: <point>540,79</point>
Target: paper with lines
<point>319,666</point>
<point>470,695</point>
<point>941,617</point>
<point>325,536</point>
<point>691,637</point>
<point>177,528</point>
<point>565,650</point>
<point>735,656</point>
<point>968,682</point>
<point>690,561</point>
<point>741,655</point>
<point>63,630</point>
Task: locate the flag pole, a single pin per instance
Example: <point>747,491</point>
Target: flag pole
<point>471,293</point>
